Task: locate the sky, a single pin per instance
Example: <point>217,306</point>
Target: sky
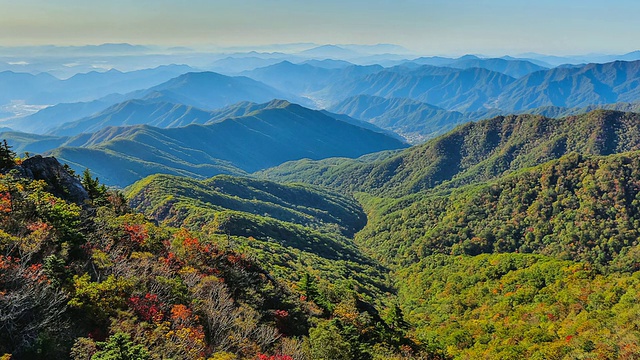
<point>435,27</point>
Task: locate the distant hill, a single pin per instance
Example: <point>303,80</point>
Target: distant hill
<point>513,68</point>
<point>53,116</point>
<point>328,63</point>
<point>270,135</point>
<point>509,66</point>
<point>158,113</point>
<point>209,90</point>
<point>574,87</point>
<point>453,89</point>
<point>235,65</point>
<point>414,120</point>
<point>46,89</point>
<point>23,86</point>
<point>305,78</point>
<point>329,52</point>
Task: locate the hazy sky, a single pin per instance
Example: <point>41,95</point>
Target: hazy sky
<point>428,26</point>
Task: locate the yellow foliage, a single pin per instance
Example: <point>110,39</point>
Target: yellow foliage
<point>101,259</point>
<point>223,356</point>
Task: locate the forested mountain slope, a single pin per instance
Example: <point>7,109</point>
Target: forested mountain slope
<point>84,277</point>
<point>474,152</point>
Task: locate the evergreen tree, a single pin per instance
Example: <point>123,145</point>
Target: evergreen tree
<point>97,192</point>
<point>7,156</point>
<point>308,287</point>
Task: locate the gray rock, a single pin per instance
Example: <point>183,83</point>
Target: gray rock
<point>59,182</point>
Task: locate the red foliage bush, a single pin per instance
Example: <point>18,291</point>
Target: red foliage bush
<point>148,308</point>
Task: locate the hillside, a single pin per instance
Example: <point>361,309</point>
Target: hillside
<point>520,306</point>
<point>539,263</point>
<point>579,207</point>
<point>474,152</point>
<point>278,133</point>
<point>414,120</point>
<point>574,87</point>
<point>513,67</point>
<point>284,222</point>
<point>84,277</point>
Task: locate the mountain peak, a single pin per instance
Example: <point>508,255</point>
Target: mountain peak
<point>277,103</point>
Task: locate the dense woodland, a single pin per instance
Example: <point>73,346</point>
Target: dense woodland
<point>92,279</point>
<point>515,237</point>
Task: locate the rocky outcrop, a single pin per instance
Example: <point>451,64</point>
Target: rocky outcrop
<point>59,181</point>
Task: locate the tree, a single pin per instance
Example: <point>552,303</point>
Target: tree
<point>326,342</point>
<point>395,319</point>
<point>120,347</point>
<point>97,192</point>
<point>7,156</point>
<point>308,287</point>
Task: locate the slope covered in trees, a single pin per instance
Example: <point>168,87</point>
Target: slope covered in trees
<point>91,279</point>
<point>292,229</point>
<point>582,208</point>
<point>412,119</point>
<point>521,306</point>
<point>501,259</point>
<point>473,152</point>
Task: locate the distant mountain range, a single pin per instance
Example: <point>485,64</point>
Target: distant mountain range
<point>45,89</point>
<point>305,78</point>
<point>272,134</point>
<point>158,113</point>
<point>417,121</point>
<point>48,118</point>
<point>466,85</point>
<point>573,87</point>
<point>205,90</point>
<point>453,89</point>
<point>513,67</point>
<point>415,100</point>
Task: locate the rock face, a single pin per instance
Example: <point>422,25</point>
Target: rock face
<point>59,181</point>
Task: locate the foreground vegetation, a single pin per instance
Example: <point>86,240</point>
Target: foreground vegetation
<point>94,280</point>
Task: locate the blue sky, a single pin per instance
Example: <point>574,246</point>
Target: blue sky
<point>430,27</point>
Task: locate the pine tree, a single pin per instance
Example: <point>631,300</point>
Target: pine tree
<point>97,192</point>
<point>7,156</point>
